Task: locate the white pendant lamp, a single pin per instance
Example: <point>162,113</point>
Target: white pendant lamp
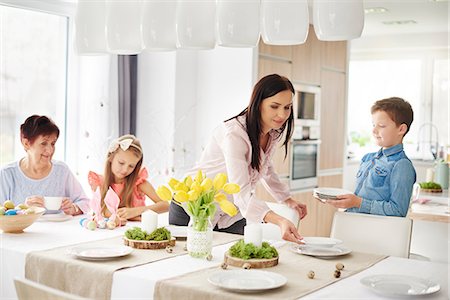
<point>284,22</point>
<point>238,23</point>
<point>195,24</point>
<point>337,20</point>
<point>158,25</point>
<point>123,26</point>
<point>90,27</point>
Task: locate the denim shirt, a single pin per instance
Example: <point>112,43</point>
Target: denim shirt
<point>384,182</point>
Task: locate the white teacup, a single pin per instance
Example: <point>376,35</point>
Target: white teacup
<point>53,203</point>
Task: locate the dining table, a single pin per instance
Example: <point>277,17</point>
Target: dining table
<point>141,281</point>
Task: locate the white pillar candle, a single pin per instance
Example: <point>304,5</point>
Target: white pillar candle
<point>253,234</point>
<point>430,175</point>
<point>149,221</point>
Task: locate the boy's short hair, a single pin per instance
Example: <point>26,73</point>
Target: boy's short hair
<point>399,110</point>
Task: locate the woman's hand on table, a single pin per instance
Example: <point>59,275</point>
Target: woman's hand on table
<point>289,231</point>
<point>345,201</point>
<point>298,207</point>
<point>35,201</point>
<point>70,208</point>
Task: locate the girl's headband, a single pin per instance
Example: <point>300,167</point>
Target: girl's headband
<point>123,144</point>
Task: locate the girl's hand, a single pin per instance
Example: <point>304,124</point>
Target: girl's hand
<point>289,231</point>
<point>299,207</point>
<point>129,212</point>
<point>345,201</point>
<point>35,201</point>
<point>120,221</point>
<point>70,208</point>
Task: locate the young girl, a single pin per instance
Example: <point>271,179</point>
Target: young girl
<point>124,175</point>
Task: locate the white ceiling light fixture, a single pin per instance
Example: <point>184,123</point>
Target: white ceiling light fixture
<point>284,22</point>
<point>375,10</point>
<point>123,26</point>
<point>90,28</point>
<point>158,25</point>
<point>337,20</point>
<point>195,24</point>
<point>238,23</point>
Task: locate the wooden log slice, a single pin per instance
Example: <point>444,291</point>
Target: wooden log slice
<point>431,190</point>
<point>138,244</point>
<point>254,263</point>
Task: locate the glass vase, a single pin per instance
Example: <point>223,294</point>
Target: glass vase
<point>199,237</point>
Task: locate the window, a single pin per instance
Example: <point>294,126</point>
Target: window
<point>33,71</point>
<point>421,80</point>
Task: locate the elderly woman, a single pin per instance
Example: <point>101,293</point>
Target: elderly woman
<point>37,175</point>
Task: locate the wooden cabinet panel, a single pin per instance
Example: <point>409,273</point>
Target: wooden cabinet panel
<point>306,60</point>
<point>263,194</point>
<point>332,116</point>
<point>334,55</point>
<point>269,66</point>
<point>320,215</point>
<point>277,51</point>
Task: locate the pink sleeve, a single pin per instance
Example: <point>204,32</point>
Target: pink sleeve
<point>94,178</point>
<point>236,151</point>
<point>142,177</point>
<point>274,186</point>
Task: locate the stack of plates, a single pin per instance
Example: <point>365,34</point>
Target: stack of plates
<point>329,193</point>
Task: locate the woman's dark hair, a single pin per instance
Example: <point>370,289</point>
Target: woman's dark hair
<point>266,87</point>
<point>35,126</point>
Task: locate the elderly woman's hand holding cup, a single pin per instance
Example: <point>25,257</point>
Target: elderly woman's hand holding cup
<point>70,208</point>
<point>35,201</point>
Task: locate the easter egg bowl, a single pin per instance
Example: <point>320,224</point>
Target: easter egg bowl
<point>17,223</point>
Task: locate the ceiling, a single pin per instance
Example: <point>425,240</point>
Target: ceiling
<point>430,17</point>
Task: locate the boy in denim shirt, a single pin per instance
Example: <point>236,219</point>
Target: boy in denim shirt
<point>385,178</point>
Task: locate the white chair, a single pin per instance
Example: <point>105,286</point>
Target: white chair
<point>27,290</point>
<point>272,231</point>
<point>373,233</point>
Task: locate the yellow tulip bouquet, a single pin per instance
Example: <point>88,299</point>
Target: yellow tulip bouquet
<point>199,195</point>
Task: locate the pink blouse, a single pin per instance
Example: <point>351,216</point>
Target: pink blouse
<point>230,151</point>
<point>138,196</point>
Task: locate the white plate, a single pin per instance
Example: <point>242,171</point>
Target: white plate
<point>55,218</point>
<point>318,241</point>
<point>400,285</point>
<point>177,231</point>
<point>247,280</point>
<point>320,251</point>
<point>329,193</point>
<point>100,253</point>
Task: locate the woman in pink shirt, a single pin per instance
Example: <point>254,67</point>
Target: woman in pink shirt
<point>243,147</point>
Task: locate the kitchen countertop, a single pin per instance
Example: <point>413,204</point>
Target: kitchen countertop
<point>435,209</point>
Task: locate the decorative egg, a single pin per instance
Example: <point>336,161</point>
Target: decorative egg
<point>29,211</point>
<point>11,212</point>
<point>102,224</point>
<point>92,225</point>
<point>20,212</point>
<point>2,211</point>
<point>111,224</point>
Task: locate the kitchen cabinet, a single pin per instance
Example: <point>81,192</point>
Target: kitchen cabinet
<point>334,56</point>
<point>277,52</point>
<point>267,65</point>
<point>332,116</point>
<point>320,215</point>
<point>306,60</point>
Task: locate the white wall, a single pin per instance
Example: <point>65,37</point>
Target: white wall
<point>225,82</point>
<point>182,97</point>
<point>155,109</point>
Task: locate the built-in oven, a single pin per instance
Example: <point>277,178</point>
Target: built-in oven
<point>304,164</point>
